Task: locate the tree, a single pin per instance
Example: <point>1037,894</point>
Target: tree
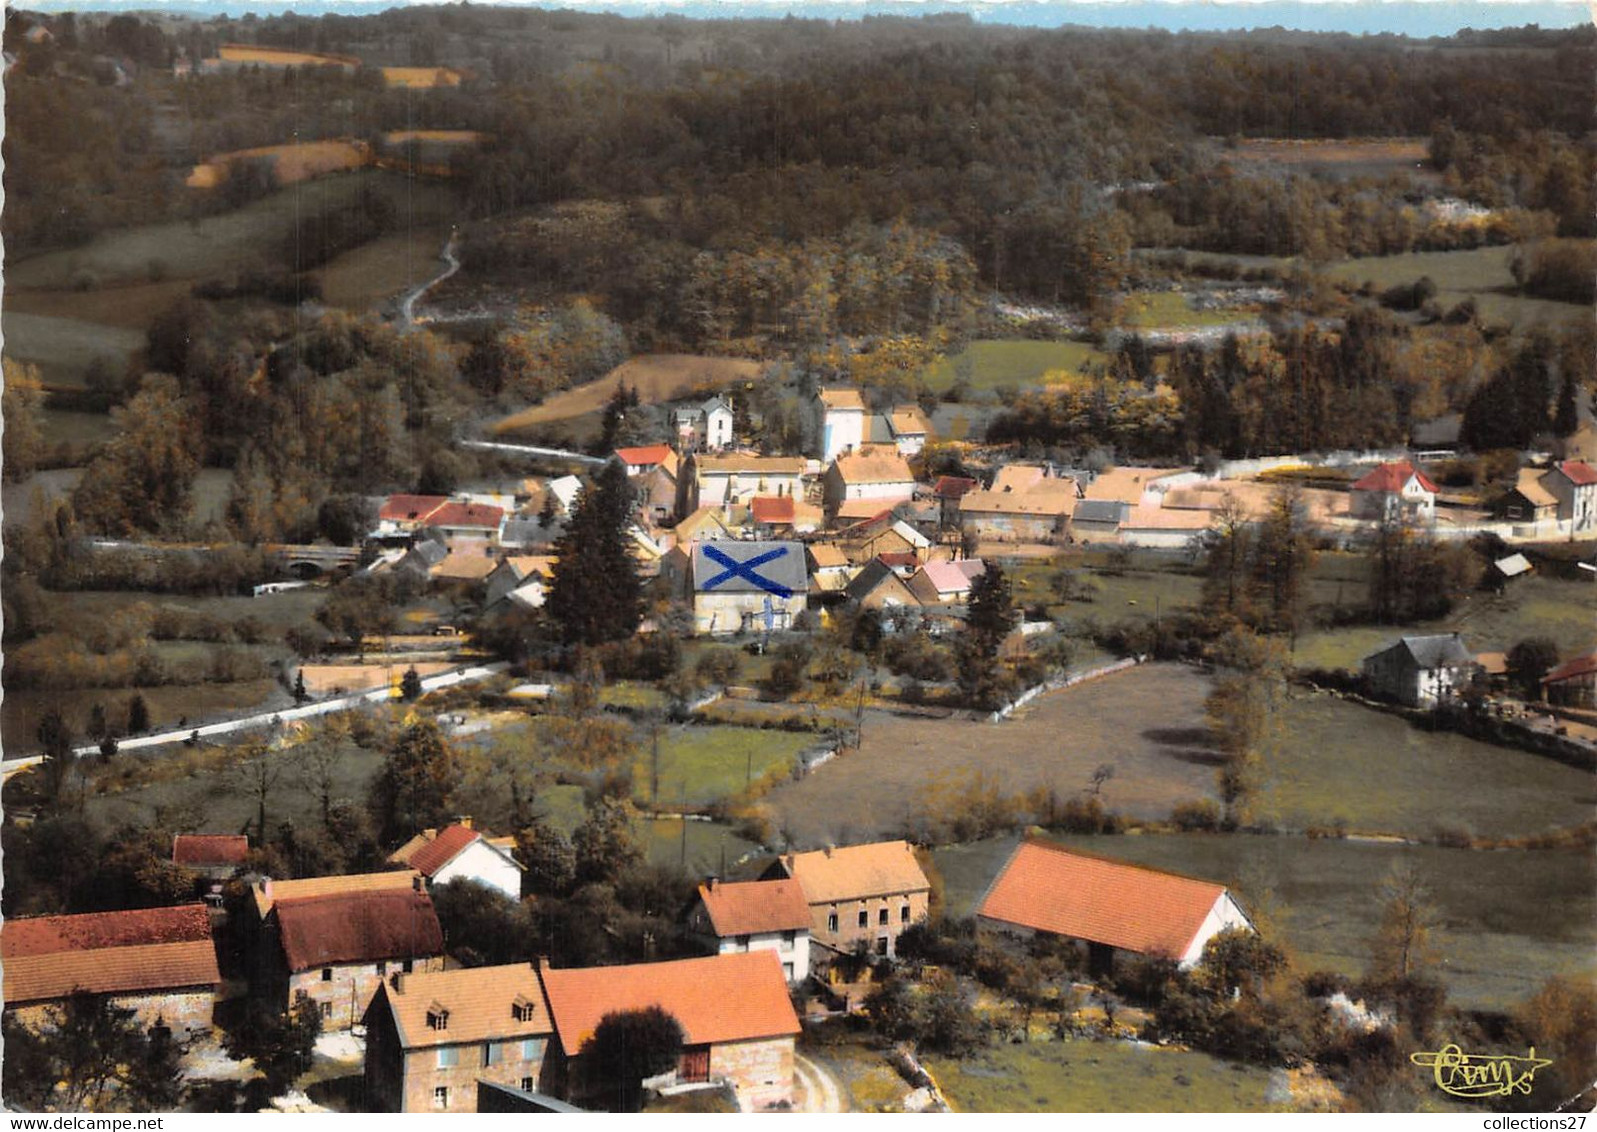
<point>1559,1021</point>
<point>617,427</point>
<point>596,595</point>
<point>55,741</point>
<point>138,715</point>
<point>1401,948</point>
<point>604,843</point>
<point>257,773</point>
<point>990,618</point>
<point>93,1057</point>
<point>1243,713</point>
<point>141,480</point>
<point>410,685</point>
<point>1528,661</point>
<point>629,1046</point>
<point>300,694</point>
<point>1240,960</point>
<point>279,1042</point>
<point>358,608</point>
<point>22,407</point>
<point>1283,555</point>
<point>550,861</point>
<point>413,788</point>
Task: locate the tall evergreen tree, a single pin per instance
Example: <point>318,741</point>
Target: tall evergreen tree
<point>597,595</point>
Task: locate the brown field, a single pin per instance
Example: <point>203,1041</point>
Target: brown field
<point>421,78</point>
<point>367,275</point>
<point>132,308</point>
<point>1147,723</point>
<point>444,137</point>
<point>327,679</point>
<point>292,163</point>
<point>281,57</point>
<point>1329,152</point>
<point>656,377</point>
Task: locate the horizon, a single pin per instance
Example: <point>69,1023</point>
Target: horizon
<point>1418,19</point>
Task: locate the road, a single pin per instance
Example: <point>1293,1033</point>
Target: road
<point>463,675</point>
<point>407,305</point>
<point>531,450</point>
<point>816,1089</point>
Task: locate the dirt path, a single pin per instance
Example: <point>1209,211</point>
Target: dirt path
<point>816,1089</point>
<point>407,305</point>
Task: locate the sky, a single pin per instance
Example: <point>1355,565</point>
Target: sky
<point>1418,18</point>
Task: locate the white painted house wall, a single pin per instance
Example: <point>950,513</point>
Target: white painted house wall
<point>1225,914</point>
<point>487,866</point>
<point>795,956</point>
<point>842,430</point>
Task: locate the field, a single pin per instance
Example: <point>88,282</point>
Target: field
<point>64,348</point>
<point>282,57</point>
<point>1342,762</point>
<point>1087,1076</point>
<point>217,244</point>
<point>1352,156</point>
<point>1160,310</point>
<point>291,163</point>
<point>656,377</point>
<point>1482,273</point>
<point>1148,723</point>
<point>701,764</point>
<point>1506,920</point>
<point>1020,362</point>
<point>388,266</point>
<point>420,78</point>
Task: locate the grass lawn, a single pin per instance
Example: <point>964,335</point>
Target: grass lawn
<point>1134,593</point>
<point>62,427</point>
<point>654,377</point>
<point>64,348</point>
<point>382,269</point>
<point>1506,920</point>
<point>1011,361</point>
<point>702,764</point>
<point>1167,309</point>
<point>1088,1076</point>
<point>701,851</point>
<point>1481,272</point>
<point>1339,761</point>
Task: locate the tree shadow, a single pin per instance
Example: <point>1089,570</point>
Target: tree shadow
<point>1187,744</point>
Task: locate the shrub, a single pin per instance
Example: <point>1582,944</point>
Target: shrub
<point>1199,815</point>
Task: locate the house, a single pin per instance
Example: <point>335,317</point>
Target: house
<point>1165,528</point>
<point>210,858</point>
<point>459,852</point>
<point>1573,484</point>
<point>908,429</point>
<point>882,533</point>
<point>738,1024</point>
<point>645,459</point>
<point>874,472</point>
<point>741,586</point>
<point>1573,683</point>
<point>473,521</point>
<point>880,586</point>
<point>655,493</point>
<point>1133,486</point>
<point>947,492</point>
<point>1039,513</point>
<point>754,915</point>
<point>1420,671</point>
<point>830,569</point>
<point>722,481</point>
<point>1110,906</point>
<point>159,963</point>
<point>1394,491</point>
<point>469,562</point>
<point>706,427</point>
<point>333,940</point>
<point>406,514</point>
<point>946,583</point>
<point>1098,520</point>
<point>859,894</point>
<point>565,491</point>
<point>1527,501</point>
<point>432,1036</point>
<point>772,515</point>
<point>839,422</point>
<point>524,578</point>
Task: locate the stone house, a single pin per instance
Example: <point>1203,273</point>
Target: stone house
<point>882,534</point>
<point>158,962</point>
<point>755,915</point>
<point>908,429</point>
<point>859,894</point>
<point>1394,491</point>
<point>468,521</point>
<point>946,583</point>
<point>406,514</point>
<point>1420,671</point>
<point>334,940</point>
<point>646,458</point>
<point>755,586</point>
<point>724,481</point>
<point>431,1037</point>
<point>1573,683</point>
<point>737,1021</point>
<point>875,472</point>
<point>705,427</point>
<point>210,858</point>
<point>459,852</point>
<point>881,587</point>
<point>1111,907</point>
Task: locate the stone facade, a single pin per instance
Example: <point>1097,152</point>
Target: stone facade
<point>444,1078</point>
<point>760,1071</point>
<point>877,920</point>
<point>187,1013</point>
<point>343,991</point>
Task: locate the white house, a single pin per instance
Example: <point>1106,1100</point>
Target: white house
<point>725,481</point>
<point>1397,490</point>
<point>1420,671</point>
<point>1574,484</point>
<point>839,422</point>
<point>876,472</point>
<point>459,852</point>
<point>761,915</point>
<point>706,427</point>
<point>565,490</point>
<point>747,585</point>
<point>908,428</point>
<point>1110,906</point>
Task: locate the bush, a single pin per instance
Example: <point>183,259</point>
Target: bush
<point>1199,815</point>
<point>1087,815</point>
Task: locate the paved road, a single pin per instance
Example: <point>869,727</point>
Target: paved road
<point>464,675</point>
<point>407,305</point>
<point>817,1090</point>
<point>533,450</point>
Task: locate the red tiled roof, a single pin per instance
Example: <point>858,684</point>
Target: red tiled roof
<point>952,487</point>
<point>644,456</point>
<point>851,872</point>
<point>206,849</point>
<point>735,997</point>
<point>1049,888</point>
<point>1392,477</point>
<point>108,952</point>
<point>410,508</point>
<point>772,508</point>
<point>898,558</point>
<point>442,849</point>
<point>746,907</point>
<point>318,931</point>
<point>466,515</point>
<point>1575,666</point>
<point>1578,471</point>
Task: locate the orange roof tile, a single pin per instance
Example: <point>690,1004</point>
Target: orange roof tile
<point>645,456</point>
<point>724,998</point>
<point>1391,477</point>
<point>1575,666</point>
<point>841,399</point>
<point>1050,888</point>
<point>772,508</point>
<point>852,871</point>
<point>410,508</point>
<point>1578,472</point>
<point>482,1004</point>
<point>436,852</point>
<point>108,952</point>
<point>323,886</point>
<point>202,850</point>
<point>743,908</point>
<point>874,463</point>
<point>466,515</point>
<point>361,928</point>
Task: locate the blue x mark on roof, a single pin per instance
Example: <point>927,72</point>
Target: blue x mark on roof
<point>745,570</point>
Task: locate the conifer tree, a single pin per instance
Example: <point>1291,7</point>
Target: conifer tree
<point>597,595</point>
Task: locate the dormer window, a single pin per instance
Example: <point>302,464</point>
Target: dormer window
<point>437,1017</point>
<point>522,1009</point>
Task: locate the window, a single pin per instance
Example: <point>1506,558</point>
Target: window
<point>881,945</point>
<point>743,942</point>
<point>903,914</point>
<point>448,1057</point>
<point>881,917</point>
<point>788,938</point>
<point>437,1017</point>
<point>382,967</point>
<point>531,1049</point>
<point>327,974</point>
<point>327,1010</point>
<point>441,1096</point>
<point>522,1009</point>
<point>407,967</point>
<point>527,1084</point>
<point>493,1053</point>
<point>831,922</point>
<point>864,918</point>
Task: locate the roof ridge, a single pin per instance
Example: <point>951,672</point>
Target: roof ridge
<point>1044,842</point>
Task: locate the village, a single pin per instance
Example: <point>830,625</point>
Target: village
<point>561,563</point>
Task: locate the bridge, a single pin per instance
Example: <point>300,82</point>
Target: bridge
<point>309,560</point>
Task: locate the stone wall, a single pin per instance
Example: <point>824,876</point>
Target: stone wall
<point>343,998</point>
<point>187,1013</point>
<point>760,1071</point>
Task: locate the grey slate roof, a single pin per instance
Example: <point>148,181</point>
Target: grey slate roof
<point>780,565</point>
<point>1438,650</point>
<point>1100,511</point>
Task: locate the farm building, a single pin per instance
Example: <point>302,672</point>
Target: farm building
<point>859,893</point>
<point>830,569</point>
<point>1420,671</point>
<point>1098,520</point>
<point>523,579</point>
<point>459,852</point>
<point>723,481</point>
<point>1573,683</point>
<point>1035,514</point>
<point>158,962</point>
<point>839,422</point>
<point>1527,501</point>
<point>406,514</point>
<point>431,1037</point>
<point>1110,906</point>
<point>1133,486</point>
<point>1166,528</point>
<point>1573,484</point>
<point>881,586</point>
<point>737,1021</point>
<point>755,915</point>
<point>875,472</point>
<point>210,855</point>
<point>882,533</point>
<point>946,583</point>
<point>907,429</point>
<point>1394,491</point>
<point>740,586</point>
<point>640,461</point>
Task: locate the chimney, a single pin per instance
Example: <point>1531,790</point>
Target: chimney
<point>540,962</point>
<point>465,820</point>
<point>829,848</point>
<point>266,888</point>
<point>429,834</point>
<point>415,883</point>
<point>711,882</point>
<point>398,982</point>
